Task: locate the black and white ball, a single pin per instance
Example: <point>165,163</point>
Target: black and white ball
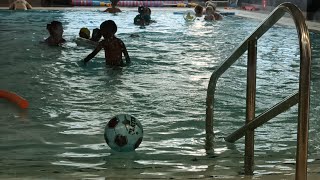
<point>123,133</point>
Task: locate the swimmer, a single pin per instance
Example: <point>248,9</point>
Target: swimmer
<point>198,10</point>
<point>85,40</point>
<point>142,18</point>
<point>84,33</point>
<point>113,8</point>
<point>113,46</point>
<point>20,5</point>
<point>55,30</point>
<point>209,14</point>
<point>96,35</point>
<point>217,16</point>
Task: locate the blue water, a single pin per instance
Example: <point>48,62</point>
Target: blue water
<point>61,134</point>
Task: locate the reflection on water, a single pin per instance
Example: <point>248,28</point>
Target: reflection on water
<point>61,135</point>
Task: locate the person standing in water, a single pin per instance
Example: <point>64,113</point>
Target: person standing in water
<point>113,46</point>
<point>20,5</point>
<point>55,30</point>
<point>113,8</point>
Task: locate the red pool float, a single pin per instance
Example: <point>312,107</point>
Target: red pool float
<point>10,96</point>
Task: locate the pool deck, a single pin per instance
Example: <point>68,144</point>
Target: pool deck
<point>262,15</point>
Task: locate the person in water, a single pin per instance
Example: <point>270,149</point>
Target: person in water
<point>198,10</point>
<point>113,8</point>
<point>217,16</point>
<point>55,30</point>
<point>84,33</point>
<point>209,14</point>
<point>143,18</point>
<point>96,35</point>
<point>20,5</point>
<point>113,46</point>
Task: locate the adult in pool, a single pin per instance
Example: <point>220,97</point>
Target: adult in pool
<point>113,8</point>
<point>113,46</point>
<point>55,30</point>
<point>20,5</point>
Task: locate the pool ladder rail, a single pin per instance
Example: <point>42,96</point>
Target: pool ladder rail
<point>302,97</point>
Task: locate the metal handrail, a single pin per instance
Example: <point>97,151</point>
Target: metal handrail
<point>302,97</point>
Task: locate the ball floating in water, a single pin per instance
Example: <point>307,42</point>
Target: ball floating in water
<point>123,133</point>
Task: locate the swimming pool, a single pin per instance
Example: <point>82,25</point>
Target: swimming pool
<point>61,134</point>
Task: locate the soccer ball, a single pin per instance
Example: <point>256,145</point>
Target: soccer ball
<point>123,133</point>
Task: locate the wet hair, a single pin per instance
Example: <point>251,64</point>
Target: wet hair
<point>198,9</point>
<point>53,25</point>
<point>141,9</point>
<point>109,26</point>
<point>96,35</point>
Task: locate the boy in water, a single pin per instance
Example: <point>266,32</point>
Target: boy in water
<point>55,30</point>
<point>113,46</point>
<point>20,4</point>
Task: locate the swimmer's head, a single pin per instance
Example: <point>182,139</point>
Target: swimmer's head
<point>96,34</point>
<point>141,9</point>
<point>84,33</point>
<point>198,9</point>
<point>108,28</point>
<point>55,28</point>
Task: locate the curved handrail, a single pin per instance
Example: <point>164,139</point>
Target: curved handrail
<point>304,80</point>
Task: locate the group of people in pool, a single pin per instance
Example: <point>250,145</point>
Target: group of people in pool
<point>210,11</point>
<point>113,46</point>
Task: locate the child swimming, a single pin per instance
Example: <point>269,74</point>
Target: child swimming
<point>55,30</point>
<point>20,5</point>
<point>113,46</point>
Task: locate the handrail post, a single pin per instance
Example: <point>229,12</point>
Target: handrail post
<point>304,103</point>
<point>250,105</point>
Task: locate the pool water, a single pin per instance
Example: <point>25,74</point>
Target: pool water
<point>61,134</point>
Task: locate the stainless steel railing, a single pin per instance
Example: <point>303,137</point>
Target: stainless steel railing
<point>302,97</point>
